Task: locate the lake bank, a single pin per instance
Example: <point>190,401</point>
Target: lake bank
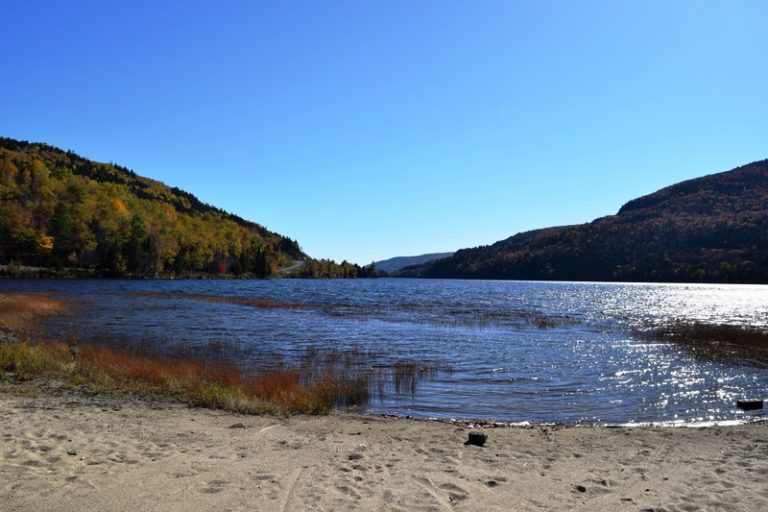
<point>64,450</point>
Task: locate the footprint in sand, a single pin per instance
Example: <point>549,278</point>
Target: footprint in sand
<point>495,481</point>
<point>349,491</point>
<point>455,493</point>
<point>214,487</point>
<point>439,491</point>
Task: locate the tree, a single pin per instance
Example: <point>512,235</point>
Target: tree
<point>137,245</point>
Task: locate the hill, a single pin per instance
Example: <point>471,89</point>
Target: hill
<point>61,211</point>
<point>400,262</point>
<point>709,229</point>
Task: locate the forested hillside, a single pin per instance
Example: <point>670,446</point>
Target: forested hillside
<point>61,211</point>
<point>710,229</point>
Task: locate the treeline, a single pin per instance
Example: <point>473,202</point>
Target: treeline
<point>61,211</point>
<point>331,269</point>
<point>711,229</point>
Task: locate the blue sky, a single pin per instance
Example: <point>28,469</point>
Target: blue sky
<point>371,129</point>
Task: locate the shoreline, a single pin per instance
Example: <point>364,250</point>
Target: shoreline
<point>63,449</point>
<point>489,423</point>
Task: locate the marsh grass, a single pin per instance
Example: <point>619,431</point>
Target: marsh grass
<point>457,316</point>
<point>404,376</point>
<point>104,369</point>
<point>718,342</point>
<point>316,381</point>
<point>26,361</point>
<point>22,310</point>
<point>319,381</point>
<point>256,302</point>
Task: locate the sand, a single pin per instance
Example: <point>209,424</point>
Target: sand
<point>64,450</point>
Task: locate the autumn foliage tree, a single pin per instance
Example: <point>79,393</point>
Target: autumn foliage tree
<point>709,229</point>
<point>63,211</point>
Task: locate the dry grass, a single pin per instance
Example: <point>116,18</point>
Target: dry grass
<point>26,361</point>
<point>256,302</point>
<point>19,311</point>
<point>104,369</point>
<point>417,313</point>
<point>719,342</point>
<point>320,380</point>
<point>109,368</point>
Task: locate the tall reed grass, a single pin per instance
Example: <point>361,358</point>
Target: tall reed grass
<point>315,382</point>
<point>319,381</point>
<point>22,310</point>
<point>719,342</point>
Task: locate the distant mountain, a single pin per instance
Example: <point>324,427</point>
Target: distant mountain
<point>63,212</point>
<point>709,229</point>
<point>393,264</point>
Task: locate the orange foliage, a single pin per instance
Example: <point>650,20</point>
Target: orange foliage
<point>118,205</point>
<point>45,243</point>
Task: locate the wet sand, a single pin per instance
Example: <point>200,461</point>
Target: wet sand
<point>64,450</point>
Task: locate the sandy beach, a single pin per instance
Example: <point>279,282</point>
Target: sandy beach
<point>65,450</point>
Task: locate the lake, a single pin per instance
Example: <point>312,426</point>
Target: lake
<point>505,350</point>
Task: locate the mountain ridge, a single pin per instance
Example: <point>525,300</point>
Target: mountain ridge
<point>398,262</point>
<point>708,229</point>
<point>64,212</point>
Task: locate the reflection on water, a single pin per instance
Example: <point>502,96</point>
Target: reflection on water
<point>518,351</point>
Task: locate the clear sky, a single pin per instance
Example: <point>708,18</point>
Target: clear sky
<point>367,129</point>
